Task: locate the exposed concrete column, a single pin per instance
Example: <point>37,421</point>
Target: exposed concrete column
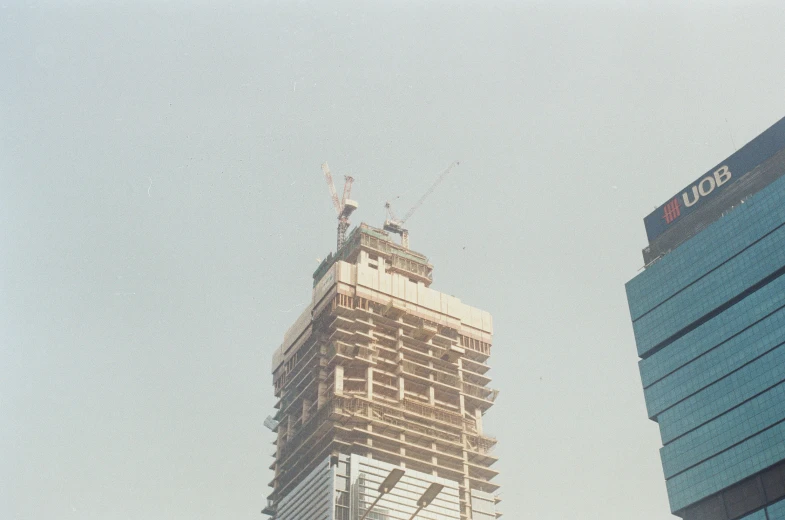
<point>321,399</point>
<point>399,360</point>
<point>369,385</point>
<point>288,429</point>
<point>478,418</point>
<point>467,497</point>
<point>339,380</point>
<point>431,390</point>
<point>282,430</point>
<point>461,398</point>
<point>403,449</point>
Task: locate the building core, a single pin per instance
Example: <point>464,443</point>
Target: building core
<point>381,372</point>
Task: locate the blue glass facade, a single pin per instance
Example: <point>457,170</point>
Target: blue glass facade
<point>709,323</point>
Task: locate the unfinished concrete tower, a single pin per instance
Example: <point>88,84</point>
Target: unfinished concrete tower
<point>382,368</point>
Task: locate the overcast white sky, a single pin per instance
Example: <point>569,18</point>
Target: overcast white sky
<point>163,209</point>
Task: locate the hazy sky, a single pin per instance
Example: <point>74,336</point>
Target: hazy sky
<point>163,208</point>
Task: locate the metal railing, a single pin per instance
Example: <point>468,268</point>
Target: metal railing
<point>480,443</point>
<point>426,410</point>
<point>391,415</point>
<point>487,394</point>
<point>418,370</point>
<point>351,351</point>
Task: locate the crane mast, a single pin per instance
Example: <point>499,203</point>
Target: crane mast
<point>343,207</point>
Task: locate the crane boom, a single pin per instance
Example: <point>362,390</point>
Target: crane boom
<point>347,188</point>
<point>395,225</point>
<point>390,212</point>
<point>438,181</point>
<point>331,185</point>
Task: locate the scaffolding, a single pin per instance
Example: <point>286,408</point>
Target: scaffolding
<point>383,376</point>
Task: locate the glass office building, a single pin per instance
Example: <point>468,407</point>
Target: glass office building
<point>708,315</point>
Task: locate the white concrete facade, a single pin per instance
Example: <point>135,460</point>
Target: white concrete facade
<point>311,499</point>
<point>400,503</point>
<point>344,491</point>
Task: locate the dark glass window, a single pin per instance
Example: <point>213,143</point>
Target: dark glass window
<point>745,497</point>
<point>774,483</point>
<point>710,509</point>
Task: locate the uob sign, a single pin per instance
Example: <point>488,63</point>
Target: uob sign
<point>672,210</point>
<point>741,165</point>
<point>706,186</point>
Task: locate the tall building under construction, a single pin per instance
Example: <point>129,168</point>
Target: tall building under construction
<point>382,386</point>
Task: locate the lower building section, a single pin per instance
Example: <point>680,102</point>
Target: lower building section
<point>775,511</point>
<point>346,487</point>
<point>313,497</point>
<point>362,483</point>
<point>484,506</point>
<point>760,497</point>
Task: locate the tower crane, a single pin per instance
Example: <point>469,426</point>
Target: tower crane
<point>395,225</point>
<point>343,207</point>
